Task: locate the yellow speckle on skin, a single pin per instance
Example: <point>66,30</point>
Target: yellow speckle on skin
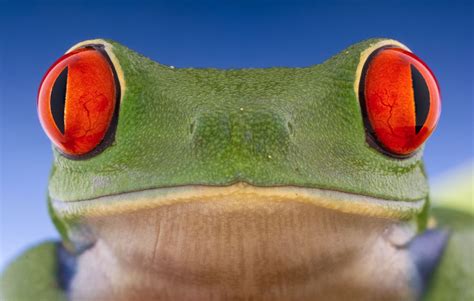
<point>241,109</point>
<point>269,156</point>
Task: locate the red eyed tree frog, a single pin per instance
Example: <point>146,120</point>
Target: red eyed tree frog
<point>250,184</point>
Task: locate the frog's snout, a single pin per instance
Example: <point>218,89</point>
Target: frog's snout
<point>243,133</point>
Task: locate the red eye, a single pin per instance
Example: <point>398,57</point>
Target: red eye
<point>77,101</point>
<point>400,100</point>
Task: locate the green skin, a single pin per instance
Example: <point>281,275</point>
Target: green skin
<point>265,127</point>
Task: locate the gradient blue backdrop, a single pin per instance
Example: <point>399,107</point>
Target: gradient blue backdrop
<point>224,35</point>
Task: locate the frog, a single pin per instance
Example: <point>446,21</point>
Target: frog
<point>281,183</point>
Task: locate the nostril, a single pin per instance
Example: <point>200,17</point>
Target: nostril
<point>255,134</point>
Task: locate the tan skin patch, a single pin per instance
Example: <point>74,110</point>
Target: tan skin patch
<point>242,242</point>
<point>236,250</point>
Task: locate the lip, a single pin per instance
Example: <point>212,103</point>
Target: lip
<point>243,193</point>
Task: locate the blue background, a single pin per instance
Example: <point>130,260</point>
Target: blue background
<point>224,35</point>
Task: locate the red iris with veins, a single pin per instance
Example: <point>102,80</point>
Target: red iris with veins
<point>402,100</point>
<point>77,99</point>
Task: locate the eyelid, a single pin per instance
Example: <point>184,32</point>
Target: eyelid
<point>364,56</point>
<point>109,48</point>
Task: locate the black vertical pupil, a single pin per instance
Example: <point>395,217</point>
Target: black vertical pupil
<point>422,98</point>
<point>58,99</point>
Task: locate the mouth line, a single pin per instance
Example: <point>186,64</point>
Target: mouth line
<point>242,192</point>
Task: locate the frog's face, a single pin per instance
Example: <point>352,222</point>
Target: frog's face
<point>159,135</point>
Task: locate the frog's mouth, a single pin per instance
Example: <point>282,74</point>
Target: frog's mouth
<point>242,194</point>
<point>239,240</point>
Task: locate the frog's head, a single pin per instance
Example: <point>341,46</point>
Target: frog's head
<point>130,133</point>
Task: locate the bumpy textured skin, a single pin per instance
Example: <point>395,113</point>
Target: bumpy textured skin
<point>33,276</point>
